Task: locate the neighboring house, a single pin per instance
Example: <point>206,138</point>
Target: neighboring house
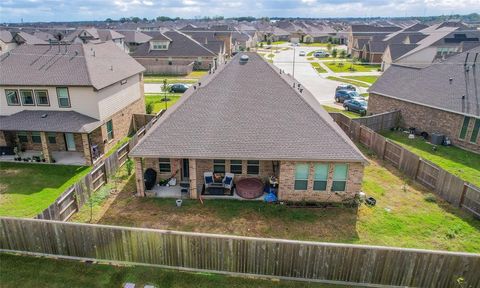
<point>440,98</point>
<point>7,42</point>
<point>438,45</point>
<point>359,35</point>
<point>133,39</point>
<point>176,53</point>
<point>242,41</point>
<point>68,101</point>
<point>217,38</point>
<point>235,121</point>
<point>93,35</point>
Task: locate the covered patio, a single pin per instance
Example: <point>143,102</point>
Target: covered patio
<point>61,137</point>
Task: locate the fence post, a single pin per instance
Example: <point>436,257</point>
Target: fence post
<point>462,197</point>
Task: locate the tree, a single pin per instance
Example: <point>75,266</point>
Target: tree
<point>149,107</point>
<point>165,89</point>
<point>123,20</point>
<point>329,47</point>
<point>109,20</point>
<point>334,53</point>
<point>343,54</point>
<point>163,18</point>
<point>129,165</point>
<point>135,19</point>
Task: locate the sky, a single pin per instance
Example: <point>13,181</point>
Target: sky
<point>78,10</point>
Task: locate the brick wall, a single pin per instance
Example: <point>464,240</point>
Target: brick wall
<point>425,119</point>
<point>175,165</point>
<point>287,180</point>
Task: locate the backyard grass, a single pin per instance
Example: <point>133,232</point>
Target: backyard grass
<point>349,81</point>
<point>26,271</point>
<point>158,100</point>
<point>349,114</point>
<point>318,67</point>
<point>406,215</point>
<point>189,79</point>
<point>27,189</point>
<point>368,79</point>
<point>343,66</point>
<point>273,43</point>
<point>462,163</point>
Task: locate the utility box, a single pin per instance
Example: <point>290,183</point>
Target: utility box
<point>437,138</point>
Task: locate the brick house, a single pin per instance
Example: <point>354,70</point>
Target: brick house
<point>72,103</point>
<point>441,98</point>
<point>235,121</point>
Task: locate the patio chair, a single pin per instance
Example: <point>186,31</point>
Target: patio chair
<point>208,179</point>
<point>228,181</point>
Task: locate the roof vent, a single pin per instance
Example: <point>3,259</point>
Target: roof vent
<point>44,115</point>
<point>244,59</point>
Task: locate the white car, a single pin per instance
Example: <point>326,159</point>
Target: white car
<point>302,53</point>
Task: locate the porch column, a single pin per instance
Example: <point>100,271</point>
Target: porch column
<point>86,149</point>
<point>140,181</point>
<point>192,173</point>
<point>45,150</point>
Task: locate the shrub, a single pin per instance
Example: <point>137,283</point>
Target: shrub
<point>129,166</point>
<point>149,108</point>
<point>430,198</point>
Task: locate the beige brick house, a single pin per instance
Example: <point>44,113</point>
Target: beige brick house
<point>440,98</point>
<point>67,103</point>
<point>250,119</point>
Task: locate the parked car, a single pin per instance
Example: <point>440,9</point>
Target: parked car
<point>321,54</point>
<point>356,105</point>
<point>343,95</point>
<point>302,53</point>
<point>347,87</point>
<point>179,87</point>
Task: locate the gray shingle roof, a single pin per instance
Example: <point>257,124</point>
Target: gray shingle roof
<point>248,111</point>
<point>430,86</point>
<point>181,45</point>
<point>69,65</point>
<point>397,50</point>
<point>135,36</point>
<point>55,121</point>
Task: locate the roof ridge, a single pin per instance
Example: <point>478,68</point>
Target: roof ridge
<point>198,43</point>
<point>85,55</point>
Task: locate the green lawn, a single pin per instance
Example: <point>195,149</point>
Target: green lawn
<point>345,80</point>
<point>26,271</point>
<point>368,79</point>
<point>27,189</point>
<point>317,67</point>
<point>157,100</point>
<point>457,161</point>
<point>272,43</point>
<point>189,79</point>
<point>344,112</point>
<point>345,66</point>
<point>317,44</point>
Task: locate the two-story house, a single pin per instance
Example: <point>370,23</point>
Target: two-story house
<point>69,103</point>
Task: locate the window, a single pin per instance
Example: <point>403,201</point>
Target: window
<point>218,166</point>
<point>36,137</point>
<point>22,137</point>
<point>320,177</point>
<point>12,97</point>
<point>475,131</point>
<point>301,176</point>
<point>164,165</point>
<point>159,45</point>
<point>236,166</point>
<point>124,81</point>
<point>52,138</point>
<point>339,177</point>
<point>110,130</point>
<point>463,131</point>
<point>41,97</point>
<point>27,97</point>
<point>63,97</point>
<point>253,167</point>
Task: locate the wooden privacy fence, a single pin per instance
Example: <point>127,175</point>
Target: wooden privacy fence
<point>449,187</point>
<point>78,194</point>
<point>327,262</point>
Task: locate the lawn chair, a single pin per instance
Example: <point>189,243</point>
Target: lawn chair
<point>228,181</point>
<point>208,179</point>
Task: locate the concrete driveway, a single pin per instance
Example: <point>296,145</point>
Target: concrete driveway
<point>323,89</point>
